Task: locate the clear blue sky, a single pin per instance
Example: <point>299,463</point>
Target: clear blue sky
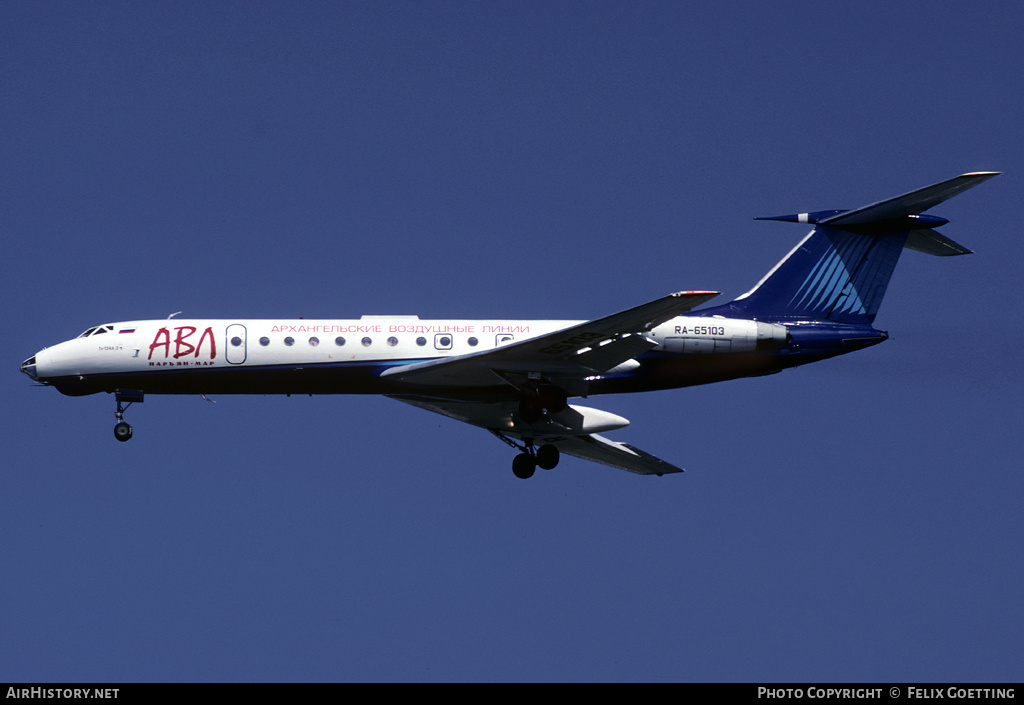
<point>855,520</point>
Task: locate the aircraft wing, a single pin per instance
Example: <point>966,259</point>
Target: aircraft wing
<point>561,429</point>
<point>617,455</point>
<point>568,356</point>
<point>579,351</point>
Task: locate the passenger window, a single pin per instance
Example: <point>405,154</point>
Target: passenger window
<point>289,341</point>
<point>264,341</point>
<point>392,341</point>
<point>339,341</point>
<point>366,342</point>
<point>313,342</point>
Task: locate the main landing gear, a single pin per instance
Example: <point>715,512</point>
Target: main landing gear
<point>123,431</point>
<point>531,457</point>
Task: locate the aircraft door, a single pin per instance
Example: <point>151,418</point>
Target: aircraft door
<point>235,344</point>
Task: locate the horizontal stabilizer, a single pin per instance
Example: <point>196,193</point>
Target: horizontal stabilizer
<point>932,242</point>
<point>901,213</point>
<point>911,203</point>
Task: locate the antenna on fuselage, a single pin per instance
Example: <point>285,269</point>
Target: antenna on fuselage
<point>173,315</point>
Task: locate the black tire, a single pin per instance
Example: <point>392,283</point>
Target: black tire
<point>547,456</point>
<point>122,431</point>
<point>523,465</point>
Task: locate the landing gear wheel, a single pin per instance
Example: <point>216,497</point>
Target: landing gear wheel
<point>547,456</point>
<point>523,466</point>
<point>122,431</point>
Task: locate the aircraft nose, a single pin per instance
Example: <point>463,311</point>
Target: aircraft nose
<point>29,368</point>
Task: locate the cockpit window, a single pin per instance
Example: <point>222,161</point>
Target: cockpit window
<point>96,330</point>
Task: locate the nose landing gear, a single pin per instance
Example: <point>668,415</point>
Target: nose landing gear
<point>122,430</point>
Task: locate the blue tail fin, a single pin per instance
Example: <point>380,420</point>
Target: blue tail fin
<point>832,275</point>
<point>840,271</point>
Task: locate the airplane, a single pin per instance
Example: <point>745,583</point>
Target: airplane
<point>516,378</point>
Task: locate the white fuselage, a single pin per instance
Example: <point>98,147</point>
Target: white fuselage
<point>156,355</point>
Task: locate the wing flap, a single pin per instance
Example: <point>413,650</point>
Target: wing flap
<point>602,358</point>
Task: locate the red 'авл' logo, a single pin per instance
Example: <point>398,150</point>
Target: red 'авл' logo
<point>182,346</point>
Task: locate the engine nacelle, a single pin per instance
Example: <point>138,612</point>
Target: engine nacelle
<point>771,336</point>
<point>693,335</point>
